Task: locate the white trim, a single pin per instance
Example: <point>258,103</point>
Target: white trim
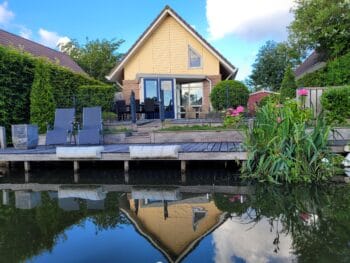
<point>150,30</point>
<point>263,90</point>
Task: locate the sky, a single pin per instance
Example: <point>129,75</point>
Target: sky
<point>234,27</point>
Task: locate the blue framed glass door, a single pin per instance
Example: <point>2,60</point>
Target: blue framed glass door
<point>153,89</point>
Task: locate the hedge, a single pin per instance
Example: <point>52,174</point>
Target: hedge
<point>16,79</point>
<point>95,95</point>
<point>229,93</point>
<point>335,73</point>
<point>336,104</point>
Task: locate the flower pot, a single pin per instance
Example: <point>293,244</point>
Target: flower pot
<point>25,136</point>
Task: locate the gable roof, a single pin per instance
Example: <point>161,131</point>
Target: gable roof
<point>312,63</point>
<point>38,50</point>
<point>163,14</point>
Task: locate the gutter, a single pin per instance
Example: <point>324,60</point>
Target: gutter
<point>210,87</point>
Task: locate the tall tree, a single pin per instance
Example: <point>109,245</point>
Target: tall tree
<point>322,25</point>
<point>270,64</point>
<point>289,85</point>
<point>96,57</point>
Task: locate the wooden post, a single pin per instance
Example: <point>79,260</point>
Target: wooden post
<point>5,197</point>
<point>183,171</point>
<point>26,166</point>
<point>76,166</point>
<point>76,177</point>
<point>26,177</point>
<point>126,178</point>
<point>2,137</point>
<point>126,166</point>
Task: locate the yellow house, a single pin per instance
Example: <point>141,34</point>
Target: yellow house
<point>172,64</point>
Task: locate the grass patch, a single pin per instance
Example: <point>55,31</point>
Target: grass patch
<point>116,130</point>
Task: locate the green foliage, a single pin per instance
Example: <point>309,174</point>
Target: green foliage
<point>270,64</point>
<point>282,150</point>
<point>42,104</point>
<point>96,57</point>
<point>336,103</point>
<point>288,86</point>
<point>272,98</point>
<point>229,93</point>
<point>95,95</point>
<point>322,25</point>
<point>335,73</point>
<point>17,74</point>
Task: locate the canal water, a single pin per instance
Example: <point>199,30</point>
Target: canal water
<point>153,215</point>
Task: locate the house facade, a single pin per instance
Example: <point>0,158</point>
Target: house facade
<point>172,64</point>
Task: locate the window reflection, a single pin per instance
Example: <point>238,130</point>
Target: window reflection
<point>192,94</point>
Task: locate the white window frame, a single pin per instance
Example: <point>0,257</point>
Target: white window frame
<point>191,49</point>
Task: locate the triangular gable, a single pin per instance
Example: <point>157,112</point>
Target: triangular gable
<point>154,25</point>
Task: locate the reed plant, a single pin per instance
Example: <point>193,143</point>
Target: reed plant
<point>283,148</point>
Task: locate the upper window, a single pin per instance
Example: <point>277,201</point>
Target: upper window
<point>194,59</point>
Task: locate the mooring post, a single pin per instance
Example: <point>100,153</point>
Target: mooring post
<point>26,167</point>
<point>126,166</point>
<point>5,197</point>
<point>76,166</point>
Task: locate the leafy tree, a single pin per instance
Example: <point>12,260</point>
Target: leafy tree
<point>96,57</point>
<point>270,64</point>
<point>322,25</point>
<point>42,104</point>
<point>229,93</point>
<point>289,85</point>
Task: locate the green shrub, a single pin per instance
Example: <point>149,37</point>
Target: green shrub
<point>282,150</point>
<point>229,93</point>
<point>16,78</point>
<point>288,86</point>
<point>95,95</point>
<point>335,73</point>
<point>336,104</point>
<point>42,104</point>
<point>274,98</point>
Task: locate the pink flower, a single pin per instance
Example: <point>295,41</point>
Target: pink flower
<point>279,119</point>
<point>240,109</point>
<point>235,113</point>
<point>303,92</point>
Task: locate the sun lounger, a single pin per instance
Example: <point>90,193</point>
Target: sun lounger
<point>63,127</point>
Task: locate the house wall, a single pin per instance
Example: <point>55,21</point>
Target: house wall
<point>166,52</point>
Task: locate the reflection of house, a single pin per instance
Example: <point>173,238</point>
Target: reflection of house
<point>170,57</point>
<point>27,199</point>
<point>174,227</point>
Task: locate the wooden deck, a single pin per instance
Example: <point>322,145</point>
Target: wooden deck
<point>120,152</point>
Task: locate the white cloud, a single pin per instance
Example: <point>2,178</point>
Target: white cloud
<point>25,32</point>
<point>6,15</point>
<point>252,242</point>
<point>249,19</point>
<point>51,39</point>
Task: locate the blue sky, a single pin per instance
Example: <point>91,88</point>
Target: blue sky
<point>236,28</point>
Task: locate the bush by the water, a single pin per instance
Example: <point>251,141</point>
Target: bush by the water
<point>282,150</point>
<point>229,93</point>
<point>16,79</point>
<point>336,103</point>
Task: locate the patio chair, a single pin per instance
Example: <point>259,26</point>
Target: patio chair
<point>121,109</point>
<point>92,126</point>
<point>150,108</point>
<point>63,127</point>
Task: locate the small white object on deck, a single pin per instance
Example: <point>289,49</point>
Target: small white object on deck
<point>90,152</point>
<point>347,148</point>
<point>155,152</point>
<point>94,194</point>
<point>346,161</point>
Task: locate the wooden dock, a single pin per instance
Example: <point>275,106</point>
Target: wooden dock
<point>215,151</point>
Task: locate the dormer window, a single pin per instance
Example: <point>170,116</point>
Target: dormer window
<point>194,59</point>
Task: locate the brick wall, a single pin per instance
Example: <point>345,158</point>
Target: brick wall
<point>254,100</point>
<point>128,86</point>
<point>206,91</point>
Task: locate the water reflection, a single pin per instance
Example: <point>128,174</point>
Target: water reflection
<point>135,223</point>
